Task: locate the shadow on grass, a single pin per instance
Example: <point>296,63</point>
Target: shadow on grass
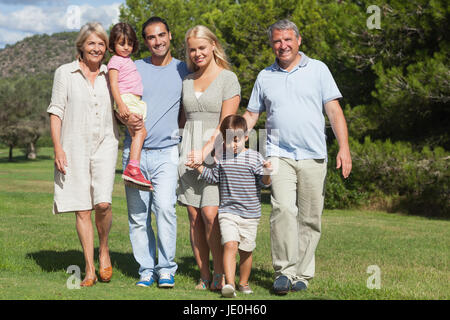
<point>52,261</point>
<point>260,277</point>
<point>265,196</point>
<point>22,159</point>
<point>188,267</point>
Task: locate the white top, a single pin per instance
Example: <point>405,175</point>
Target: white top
<point>89,138</point>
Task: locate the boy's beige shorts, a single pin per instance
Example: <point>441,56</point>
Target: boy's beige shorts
<point>235,228</point>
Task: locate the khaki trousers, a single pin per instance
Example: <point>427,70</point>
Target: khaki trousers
<point>298,188</point>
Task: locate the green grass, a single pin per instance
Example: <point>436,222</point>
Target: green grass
<point>36,248</point>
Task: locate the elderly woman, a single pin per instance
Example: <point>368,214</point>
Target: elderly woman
<point>85,139</point>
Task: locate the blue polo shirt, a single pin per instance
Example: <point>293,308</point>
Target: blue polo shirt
<point>162,94</point>
<point>294,103</point>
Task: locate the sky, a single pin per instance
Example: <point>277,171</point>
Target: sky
<point>23,18</point>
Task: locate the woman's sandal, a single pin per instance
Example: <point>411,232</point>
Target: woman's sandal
<point>202,284</point>
<point>88,282</point>
<point>105,274</point>
<point>218,282</point>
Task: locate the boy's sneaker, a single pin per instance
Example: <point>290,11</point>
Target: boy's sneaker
<point>228,291</point>
<point>166,280</point>
<point>245,289</point>
<point>282,285</point>
<point>145,282</point>
<point>134,174</point>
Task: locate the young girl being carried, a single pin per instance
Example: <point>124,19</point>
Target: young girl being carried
<point>127,89</point>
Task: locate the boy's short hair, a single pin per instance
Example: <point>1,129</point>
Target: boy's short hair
<point>235,122</point>
<point>126,31</point>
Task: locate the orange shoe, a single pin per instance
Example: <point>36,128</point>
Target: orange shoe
<point>105,274</point>
<point>88,282</point>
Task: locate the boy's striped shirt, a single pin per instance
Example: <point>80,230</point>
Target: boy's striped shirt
<point>239,178</point>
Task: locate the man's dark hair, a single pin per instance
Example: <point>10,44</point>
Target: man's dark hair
<point>153,20</point>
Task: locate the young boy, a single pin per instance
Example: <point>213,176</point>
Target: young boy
<point>241,173</point>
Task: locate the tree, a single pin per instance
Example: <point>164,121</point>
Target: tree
<point>22,111</point>
<point>394,79</point>
<point>403,69</point>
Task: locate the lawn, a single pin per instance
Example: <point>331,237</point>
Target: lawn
<point>36,248</point>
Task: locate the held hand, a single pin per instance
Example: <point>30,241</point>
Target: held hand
<point>124,112</point>
<point>135,121</point>
<point>344,160</point>
<point>194,159</point>
<point>60,160</point>
<point>267,168</point>
<point>189,164</point>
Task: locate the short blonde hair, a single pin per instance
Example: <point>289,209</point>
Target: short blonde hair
<point>203,32</point>
<point>86,31</point>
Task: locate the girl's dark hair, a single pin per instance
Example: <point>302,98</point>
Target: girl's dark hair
<point>235,122</point>
<point>126,32</point>
<point>153,20</point>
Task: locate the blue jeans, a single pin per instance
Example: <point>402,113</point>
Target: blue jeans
<point>159,166</point>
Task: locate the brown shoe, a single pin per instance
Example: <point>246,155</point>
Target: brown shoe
<point>105,274</point>
<point>88,282</point>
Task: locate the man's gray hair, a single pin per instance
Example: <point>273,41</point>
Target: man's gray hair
<point>284,24</point>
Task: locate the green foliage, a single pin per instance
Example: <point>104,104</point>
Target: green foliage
<point>418,180</point>
<point>22,110</point>
<point>394,79</point>
<point>341,193</point>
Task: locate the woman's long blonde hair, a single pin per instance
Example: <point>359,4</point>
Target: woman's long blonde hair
<point>203,32</point>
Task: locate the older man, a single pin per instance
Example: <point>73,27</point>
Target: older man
<point>294,91</point>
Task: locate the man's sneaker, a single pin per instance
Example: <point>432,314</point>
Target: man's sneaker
<point>282,285</point>
<point>145,282</point>
<point>245,289</point>
<point>228,291</point>
<point>166,280</point>
<point>299,286</point>
<point>134,175</point>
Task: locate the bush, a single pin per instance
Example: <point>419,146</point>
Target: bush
<point>340,193</point>
<point>418,181</point>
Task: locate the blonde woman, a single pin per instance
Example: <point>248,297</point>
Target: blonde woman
<point>210,93</point>
<point>85,139</point>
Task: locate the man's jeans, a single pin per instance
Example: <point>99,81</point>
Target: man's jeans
<point>159,166</point>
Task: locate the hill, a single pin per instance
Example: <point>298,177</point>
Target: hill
<point>39,54</point>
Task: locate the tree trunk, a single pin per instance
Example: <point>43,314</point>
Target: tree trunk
<point>31,154</point>
<point>10,153</point>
